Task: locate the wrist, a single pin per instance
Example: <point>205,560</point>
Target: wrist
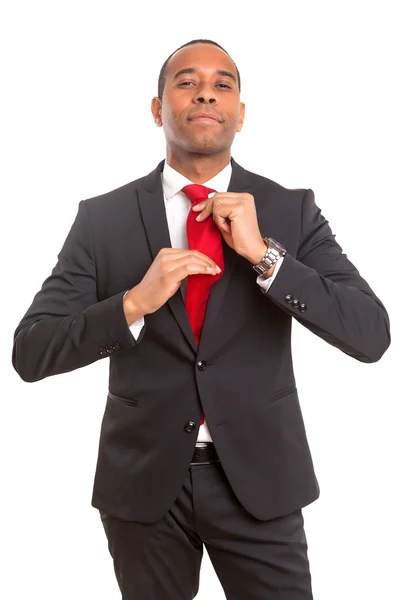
<point>259,253</point>
<point>273,252</point>
<point>270,272</point>
<point>133,307</point>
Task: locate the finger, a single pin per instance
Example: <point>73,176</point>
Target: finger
<point>209,260</point>
<point>199,206</point>
<point>167,255</point>
<point>192,269</point>
<point>203,256</point>
<point>224,209</point>
<point>171,254</point>
<point>206,212</point>
<point>192,257</point>
<point>222,223</point>
<point>220,215</point>
<point>184,270</point>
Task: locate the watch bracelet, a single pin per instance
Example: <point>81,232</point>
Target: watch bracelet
<point>268,261</point>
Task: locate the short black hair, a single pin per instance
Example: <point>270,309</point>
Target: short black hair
<point>161,78</point>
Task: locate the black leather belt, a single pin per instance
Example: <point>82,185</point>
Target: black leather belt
<point>204,453</point>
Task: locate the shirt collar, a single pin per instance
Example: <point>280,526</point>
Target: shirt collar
<point>173,181</point>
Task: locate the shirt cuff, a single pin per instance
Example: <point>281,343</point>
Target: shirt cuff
<point>266,282</point>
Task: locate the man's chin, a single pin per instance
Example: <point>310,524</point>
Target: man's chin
<point>204,146</point>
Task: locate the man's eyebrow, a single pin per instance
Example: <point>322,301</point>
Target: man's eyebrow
<point>192,70</point>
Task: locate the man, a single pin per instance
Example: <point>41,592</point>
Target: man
<point>202,440</point>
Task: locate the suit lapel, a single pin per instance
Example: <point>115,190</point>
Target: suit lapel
<point>152,207</point>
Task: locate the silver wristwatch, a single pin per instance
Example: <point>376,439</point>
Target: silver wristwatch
<point>273,254</point>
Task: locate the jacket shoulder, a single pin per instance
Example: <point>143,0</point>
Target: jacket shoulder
<point>120,194</point>
<point>273,186</point>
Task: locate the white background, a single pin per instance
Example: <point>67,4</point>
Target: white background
<point>320,83</point>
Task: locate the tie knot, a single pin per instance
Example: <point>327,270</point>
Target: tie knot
<point>195,191</point>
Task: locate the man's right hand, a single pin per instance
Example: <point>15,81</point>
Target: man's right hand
<point>163,278</point>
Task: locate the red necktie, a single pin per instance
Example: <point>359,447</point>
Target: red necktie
<point>205,237</point>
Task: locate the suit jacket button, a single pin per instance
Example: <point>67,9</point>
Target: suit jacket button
<point>201,365</point>
<point>295,303</point>
<point>103,351</point>
<point>303,307</point>
<point>110,349</point>
<point>289,298</point>
<point>190,426</point>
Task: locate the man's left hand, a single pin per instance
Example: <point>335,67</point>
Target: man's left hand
<point>236,217</point>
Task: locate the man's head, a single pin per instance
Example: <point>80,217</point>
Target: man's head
<point>199,77</point>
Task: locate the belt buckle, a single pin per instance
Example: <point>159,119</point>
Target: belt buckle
<point>196,454</point>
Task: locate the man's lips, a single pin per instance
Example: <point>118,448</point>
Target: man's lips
<point>204,117</point>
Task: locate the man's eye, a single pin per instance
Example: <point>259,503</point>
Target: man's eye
<point>183,83</point>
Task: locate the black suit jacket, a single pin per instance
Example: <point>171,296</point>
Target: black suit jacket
<point>156,390</point>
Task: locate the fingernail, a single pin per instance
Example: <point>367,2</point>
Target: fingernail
<point>197,218</point>
<point>218,269</point>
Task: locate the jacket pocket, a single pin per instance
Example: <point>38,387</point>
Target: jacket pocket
<point>129,401</point>
<point>280,393</point>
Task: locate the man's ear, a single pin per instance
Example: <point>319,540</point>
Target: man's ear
<point>242,111</point>
<point>156,110</point>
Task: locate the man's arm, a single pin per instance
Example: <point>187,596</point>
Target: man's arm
<point>66,327</point>
<point>338,304</point>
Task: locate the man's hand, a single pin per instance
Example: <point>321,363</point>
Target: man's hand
<point>163,278</point>
<point>236,217</point>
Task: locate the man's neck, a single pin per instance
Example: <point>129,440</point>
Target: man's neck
<point>199,168</point>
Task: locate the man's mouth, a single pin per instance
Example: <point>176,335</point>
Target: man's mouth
<point>203,117</point>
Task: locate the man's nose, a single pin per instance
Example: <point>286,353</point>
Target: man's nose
<point>206,93</point>
<point>206,98</point>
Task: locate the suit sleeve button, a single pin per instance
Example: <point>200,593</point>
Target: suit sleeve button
<point>289,298</point>
<point>295,303</point>
<point>103,351</point>
<point>110,349</point>
<point>303,307</point>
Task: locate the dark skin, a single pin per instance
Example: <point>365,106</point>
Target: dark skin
<point>199,148</point>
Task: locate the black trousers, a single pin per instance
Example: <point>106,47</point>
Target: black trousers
<point>253,559</point>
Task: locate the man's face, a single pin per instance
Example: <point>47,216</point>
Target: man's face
<point>202,91</point>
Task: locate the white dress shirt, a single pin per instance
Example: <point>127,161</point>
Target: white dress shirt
<point>177,206</point>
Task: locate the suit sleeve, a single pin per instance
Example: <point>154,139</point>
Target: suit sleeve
<point>66,327</point>
<point>340,307</point>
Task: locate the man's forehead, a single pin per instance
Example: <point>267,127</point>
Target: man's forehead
<point>203,58</point>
